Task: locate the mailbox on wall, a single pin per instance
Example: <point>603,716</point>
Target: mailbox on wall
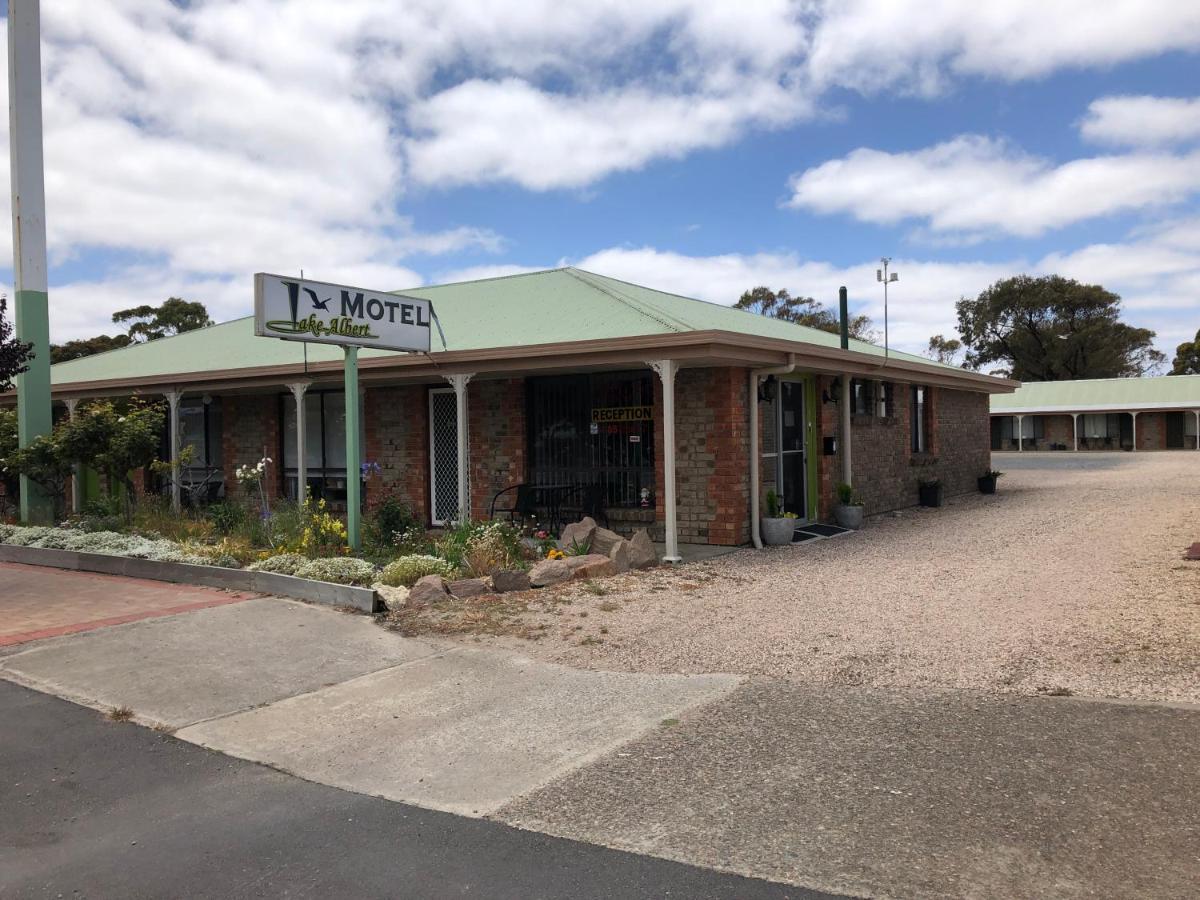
<point>830,446</point>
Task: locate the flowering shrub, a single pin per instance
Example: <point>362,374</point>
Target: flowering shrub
<point>339,570</point>
<point>404,571</point>
<point>554,553</point>
<point>251,478</point>
<point>323,534</point>
<point>282,564</point>
<point>481,547</point>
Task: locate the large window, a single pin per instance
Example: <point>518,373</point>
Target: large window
<point>920,419</point>
<point>594,431</point>
<point>861,397</point>
<point>325,445</point>
<point>200,444</point>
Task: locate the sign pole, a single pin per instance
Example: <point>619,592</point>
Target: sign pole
<point>32,316</point>
<point>353,453</point>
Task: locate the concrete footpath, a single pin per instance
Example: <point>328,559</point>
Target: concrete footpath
<point>334,698</point>
<point>95,808</point>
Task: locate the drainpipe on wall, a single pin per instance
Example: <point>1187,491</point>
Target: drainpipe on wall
<point>844,312</point>
<point>755,375</point>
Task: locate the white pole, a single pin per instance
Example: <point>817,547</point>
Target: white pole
<point>666,369</point>
<point>1134,415</point>
<point>459,383</point>
<point>173,398</point>
<point>1197,429</point>
<point>1075,429</point>
<point>77,469</point>
<point>299,389</point>
<point>1020,443</point>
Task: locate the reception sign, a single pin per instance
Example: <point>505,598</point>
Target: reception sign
<point>295,309</point>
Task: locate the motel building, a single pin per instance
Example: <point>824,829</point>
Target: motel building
<point>560,393</point>
<point>1159,413</point>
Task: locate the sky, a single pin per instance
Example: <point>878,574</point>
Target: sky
<point>697,146</point>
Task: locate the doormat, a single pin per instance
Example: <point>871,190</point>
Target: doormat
<point>826,530</point>
<point>799,537</point>
<point>1192,552</point>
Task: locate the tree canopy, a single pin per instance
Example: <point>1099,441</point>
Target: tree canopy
<point>802,311</point>
<point>944,349</point>
<point>176,315</point>
<point>1054,329</point>
<point>14,354</point>
<point>1187,358</point>
<point>82,347</point>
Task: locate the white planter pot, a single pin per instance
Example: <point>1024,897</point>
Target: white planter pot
<point>777,532</point>
<point>848,516</point>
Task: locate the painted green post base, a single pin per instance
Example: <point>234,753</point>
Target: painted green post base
<point>34,419</point>
<point>353,453</point>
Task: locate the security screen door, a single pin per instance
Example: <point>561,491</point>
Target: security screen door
<point>791,448</point>
<point>443,456</point>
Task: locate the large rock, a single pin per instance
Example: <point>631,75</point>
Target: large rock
<point>427,590</point>
<point>593,565</point>
<point>548,572</point>
<point>619,555</point>
<point>578,533</point>
<point>641,551</point>
<point>468,587</point>
<point>503,582</point>
<point>604,540</point>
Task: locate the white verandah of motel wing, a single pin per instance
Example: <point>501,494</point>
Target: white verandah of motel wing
<point>1018,416</point>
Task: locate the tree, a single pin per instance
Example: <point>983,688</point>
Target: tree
<point>802,311</point>
<point>9,443</point>
<point>14,354</point>
<point>1187,358</point>
<point>82,347</point>
<point>44,461</point>
<point>1054,329</point>
<point>944,350</point>
<point>175,316</point>
<point>113,440</point>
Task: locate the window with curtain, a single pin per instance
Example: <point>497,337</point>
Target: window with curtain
<point>325,445</point>
<point>200,433</point>
<point>920,424</point>
<point>885,403</point>
<point>861,397</point>
<point>1094,425</point>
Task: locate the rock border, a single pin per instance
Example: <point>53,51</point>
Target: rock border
<point>344,595</point>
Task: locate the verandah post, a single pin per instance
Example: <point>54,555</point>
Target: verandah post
<point>353,453</point>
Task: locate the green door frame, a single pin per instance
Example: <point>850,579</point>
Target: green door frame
<point>811,450</point>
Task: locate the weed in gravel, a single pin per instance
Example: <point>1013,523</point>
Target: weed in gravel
<point>590,640</point>
<point>1056,691</point>
<point>598,589</point>
<point>608,606</point>
<point>669,723</point>
<point>121,714</point>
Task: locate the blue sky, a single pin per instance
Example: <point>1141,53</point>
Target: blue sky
<point>700,147</point>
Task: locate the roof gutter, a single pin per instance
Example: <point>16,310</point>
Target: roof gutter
<point>755,375</point>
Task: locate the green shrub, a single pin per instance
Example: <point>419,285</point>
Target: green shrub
<point>226,516</point>
<point>481,547</point>
<point>339,570</point>
<point>282,564</point>
<point>404,571</point>
<point>391,517</point>
<point>28,537</point>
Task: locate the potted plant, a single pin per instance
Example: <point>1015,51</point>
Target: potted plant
<point>849,510</point>
<point>930,491</point>
<point>777,527</point>
<point>987,481</point>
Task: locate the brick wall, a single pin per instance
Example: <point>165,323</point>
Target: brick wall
<point>250,429</point>
<point>397,437</point>
<point>1152,431</point>
<point>497,436</point>
<point>1057,430</point>
<point>885,470</point>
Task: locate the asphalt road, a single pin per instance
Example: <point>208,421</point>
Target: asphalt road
<point>94,808</point>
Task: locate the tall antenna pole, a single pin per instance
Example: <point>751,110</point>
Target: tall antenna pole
<point>882,275</point>
<point>32,317</point>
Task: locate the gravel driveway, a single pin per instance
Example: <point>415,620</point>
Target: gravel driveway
<point>1069,580</point>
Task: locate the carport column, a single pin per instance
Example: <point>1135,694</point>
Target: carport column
<point>1020,443</point>
<point>77,469</point>
<point>173,398</point>
<point>1075,429</point>
<point>1133,416</point>
<point>459,383</point>
<point>666,369</point>
<point>299,389</point>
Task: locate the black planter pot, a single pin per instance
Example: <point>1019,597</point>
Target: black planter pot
<point>987,484</point>
<point>931,494</point>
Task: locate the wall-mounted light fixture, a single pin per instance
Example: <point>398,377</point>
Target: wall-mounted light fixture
<point>831,393</point>
<point>768,389</point>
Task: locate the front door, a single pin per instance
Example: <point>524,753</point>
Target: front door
<point>443,456</point>
<point>792,452</point>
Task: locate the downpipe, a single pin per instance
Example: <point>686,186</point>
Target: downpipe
<point>755,376</point>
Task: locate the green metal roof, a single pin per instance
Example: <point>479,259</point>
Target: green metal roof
<point>1180,391</point>
<point>552,306</point>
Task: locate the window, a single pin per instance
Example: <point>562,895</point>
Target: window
<point>324,444</point>
<point>1093,425</point>
<point>199,438</point>
<point>594,431</point>
<point>920,426</point>
<point>885,403</point>
<point>1189,424</point>
<point>861,402</point>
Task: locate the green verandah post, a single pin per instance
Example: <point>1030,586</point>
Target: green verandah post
<point>32,316</point>
<point>353,453</point>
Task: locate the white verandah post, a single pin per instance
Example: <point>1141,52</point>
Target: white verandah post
<point>1197,428</point>
<point>1075,429</point>
<point>1020,443</point>
<point>173,398</point>
<point>459,382</point>
<point>77,469</point>
<point>1133,416</point>
<point>299,389</point>
<point>666,369</point>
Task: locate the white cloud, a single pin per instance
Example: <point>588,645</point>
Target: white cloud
<point>976,185</point>
<point>923,47</point>
<point>1142,121</point>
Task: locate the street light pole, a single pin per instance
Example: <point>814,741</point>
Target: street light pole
<point>32,317</point>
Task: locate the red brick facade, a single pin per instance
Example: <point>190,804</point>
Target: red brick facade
<point>396,422</point>
<point>496,434</point>
<point>250,431</point>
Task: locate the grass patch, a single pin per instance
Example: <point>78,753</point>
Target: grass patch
<point>593,588</point>
<point>608,606</point>
<point>590,641</point>
<point>669,723</point>
<point>120,714</point>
